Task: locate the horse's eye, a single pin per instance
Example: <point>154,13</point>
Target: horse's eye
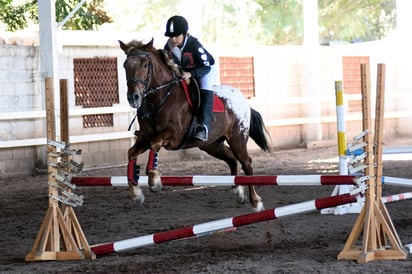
<point>146,65</point>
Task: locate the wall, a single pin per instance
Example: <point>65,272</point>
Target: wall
<point>294,89</point>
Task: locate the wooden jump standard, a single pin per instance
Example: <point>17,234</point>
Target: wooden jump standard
<point>373,220</point>
<point>60,236</point>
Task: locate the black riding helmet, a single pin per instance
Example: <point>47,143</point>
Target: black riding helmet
<point>176,25</point>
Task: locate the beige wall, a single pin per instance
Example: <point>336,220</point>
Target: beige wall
<point>294,93</point>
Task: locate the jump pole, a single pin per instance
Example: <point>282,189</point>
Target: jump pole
<point>396,181</point>
<point>397,150</point>
<point>222,180</point>
<point>221,225</point>
<point>229,223</point>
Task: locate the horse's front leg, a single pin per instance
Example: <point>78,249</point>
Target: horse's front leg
<point>153,172</point>
<point>133,173</point>
<point>164,138</point>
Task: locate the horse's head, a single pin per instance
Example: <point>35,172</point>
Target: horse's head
<point>139,70</point>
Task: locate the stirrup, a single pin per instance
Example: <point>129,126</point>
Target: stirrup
<point>201,133</point>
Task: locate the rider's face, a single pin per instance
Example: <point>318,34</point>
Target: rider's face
<point>176,41</point>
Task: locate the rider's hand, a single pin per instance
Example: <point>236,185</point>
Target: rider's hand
<point>186,75</point>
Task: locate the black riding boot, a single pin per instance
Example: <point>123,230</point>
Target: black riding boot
<point>202,130</point>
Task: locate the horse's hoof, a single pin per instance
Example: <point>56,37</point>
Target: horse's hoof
<point>156,188</point>
<point>259,207</point>
<point>139,200</point>
<point>241,199</point>
<point>240,194</point>
<point>155,182</point>
<point>137,195</point>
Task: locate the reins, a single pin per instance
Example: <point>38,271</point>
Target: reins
<point>155,89</point>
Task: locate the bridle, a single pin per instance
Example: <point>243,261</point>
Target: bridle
<point>146,82</point>
<point>142,112</point>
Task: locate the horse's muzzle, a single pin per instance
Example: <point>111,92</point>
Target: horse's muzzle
<point>134,99</point>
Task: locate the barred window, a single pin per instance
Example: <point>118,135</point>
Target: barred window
<point>352,83</point>
<point>96,85</point>
<point>239,73</point>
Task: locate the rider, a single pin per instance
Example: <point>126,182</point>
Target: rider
<point>195,61</point>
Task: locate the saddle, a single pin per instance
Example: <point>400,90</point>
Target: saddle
<point>192,93</point>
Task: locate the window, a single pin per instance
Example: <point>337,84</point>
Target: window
<point>96,85</point>
<point>352,79</point>
<point>239,73</point>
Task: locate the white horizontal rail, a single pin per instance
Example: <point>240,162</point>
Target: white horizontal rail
<point>101,137</point>
<point>22,115</point>
<point>73,139</point>
<point>100,110</point>
<point>73,112</point>
<point>124,135</point>
<point>118,109</point>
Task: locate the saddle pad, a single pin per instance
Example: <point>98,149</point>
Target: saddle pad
<point>217,102</point>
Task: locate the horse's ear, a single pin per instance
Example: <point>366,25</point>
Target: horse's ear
<point>150,44</point>
<point>122,46</point>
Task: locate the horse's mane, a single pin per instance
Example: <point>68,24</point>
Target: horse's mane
<point>136,45</point>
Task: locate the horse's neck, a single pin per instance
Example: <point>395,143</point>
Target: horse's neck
<point>162,73</point>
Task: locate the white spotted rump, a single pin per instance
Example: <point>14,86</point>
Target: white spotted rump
<point>237,103</point>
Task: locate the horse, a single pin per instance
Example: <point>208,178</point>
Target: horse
<point>166,119</point>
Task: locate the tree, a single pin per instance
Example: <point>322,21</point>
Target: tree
<point>230,22</point>
<point>356,20</point>
<point>16,17</point>
<point>281,22</point>
<point>227,22</point>
<point>88,17</point>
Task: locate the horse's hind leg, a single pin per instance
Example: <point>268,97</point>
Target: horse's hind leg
<point>222,152</point>
<point>239,149</point>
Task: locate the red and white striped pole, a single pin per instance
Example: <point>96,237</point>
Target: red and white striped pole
<point>221,180</point>
<point>397,197</point>
<point>230,223</point>
<point>221,225</point>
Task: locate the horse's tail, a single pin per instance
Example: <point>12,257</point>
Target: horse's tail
<point>258,131</point>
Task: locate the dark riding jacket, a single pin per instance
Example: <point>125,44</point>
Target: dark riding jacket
<point>195,58</point>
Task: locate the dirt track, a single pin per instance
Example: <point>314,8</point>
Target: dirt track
<point>307,243</point>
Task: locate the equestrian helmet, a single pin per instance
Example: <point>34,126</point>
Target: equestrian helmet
<point>176,25</point>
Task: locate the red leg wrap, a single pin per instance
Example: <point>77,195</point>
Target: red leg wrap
<point>152,161</point>
<point>133,172</point>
